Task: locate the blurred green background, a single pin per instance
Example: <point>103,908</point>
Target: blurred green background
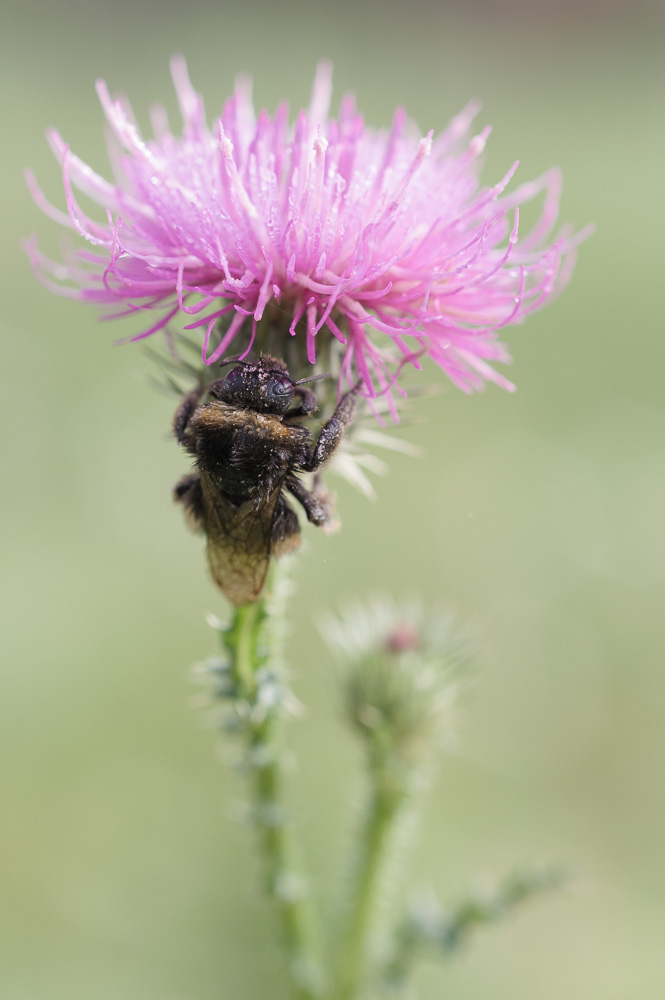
<point>538,516</point>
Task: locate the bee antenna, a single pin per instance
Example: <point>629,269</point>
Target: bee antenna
<point>233,361</point>
<point>312,378</point>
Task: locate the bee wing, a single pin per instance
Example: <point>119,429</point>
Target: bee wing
<point>239,543</point>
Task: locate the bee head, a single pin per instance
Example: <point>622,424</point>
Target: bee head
<point>264,386</point>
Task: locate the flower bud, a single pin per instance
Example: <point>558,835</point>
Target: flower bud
<point>400,674</point>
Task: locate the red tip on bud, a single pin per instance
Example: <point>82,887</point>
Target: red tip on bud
<point>404,638</point>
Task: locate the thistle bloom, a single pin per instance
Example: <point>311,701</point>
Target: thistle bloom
<point>381,241</point>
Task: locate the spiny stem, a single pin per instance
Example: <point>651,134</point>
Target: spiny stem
<point>282,883</point>
<point>444,932</point>
<point>248,643</point>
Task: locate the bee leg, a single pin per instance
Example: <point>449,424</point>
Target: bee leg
<point>317,505</point>
<point>285,529</point>
<point>333,431</point>
<point>185,411</point>
<point>187,491</point>
<point>308,405</point>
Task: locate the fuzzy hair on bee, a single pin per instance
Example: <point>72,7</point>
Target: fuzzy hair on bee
<point>248,454</point>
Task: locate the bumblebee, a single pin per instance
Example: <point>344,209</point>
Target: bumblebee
<point>248,453</point>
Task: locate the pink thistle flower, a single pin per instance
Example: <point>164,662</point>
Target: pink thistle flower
<point>381,241</point>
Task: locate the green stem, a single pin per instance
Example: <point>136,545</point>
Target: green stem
<point>383,806</point>
<point>283,884</point>
<point>244,631</point>
<point>258,725</point>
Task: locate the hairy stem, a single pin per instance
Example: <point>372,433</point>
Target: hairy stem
<point>258,696</point>
<point>385,798</point>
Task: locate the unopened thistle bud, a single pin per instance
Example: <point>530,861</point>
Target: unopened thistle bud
<point>400,675</point>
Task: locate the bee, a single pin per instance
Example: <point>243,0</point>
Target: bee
<point>248,454</point>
